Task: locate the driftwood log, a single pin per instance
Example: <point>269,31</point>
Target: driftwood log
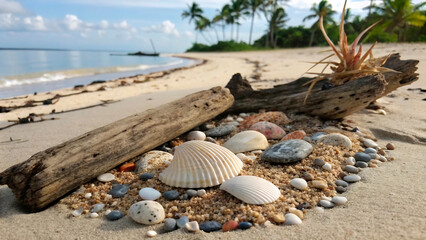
<point>323,101</point>
<point>50,174</point>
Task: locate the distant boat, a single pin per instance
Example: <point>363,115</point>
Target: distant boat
<point>155,54</point>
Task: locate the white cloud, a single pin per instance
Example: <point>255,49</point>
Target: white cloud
<point>104,24</point>
<point>36,23</point>
<point>166,27</point>
<point>11,6</point>
<point>122,25</point>
<point>72,22</point>
<point>189,34</point>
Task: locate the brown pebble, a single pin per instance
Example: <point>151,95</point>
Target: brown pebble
<point>382,152</point>
<point>342,175</point>
<point>390,146</point>
<point>347,155</point>
<point>320,184</point>
<point>308,177</point>
<point>279,218</point>
<point>229,226</point>
<point>372,165</point>
<point>297,212</point>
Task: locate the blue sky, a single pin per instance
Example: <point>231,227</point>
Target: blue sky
<point>125,25</point>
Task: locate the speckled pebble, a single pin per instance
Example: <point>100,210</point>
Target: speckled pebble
<point>341,183</point>
<point>170,224</point>
<point>352,178</point>
<point>299,183</point>
<point>337,139</point>
<point>146,176</point>
<point>361,165</point>
<point>171,195</point>
<point>182,221</point>
<point>287,152</point>
<point>244,225</point>
<point>351,169</point>
<point>119,190</point>
<point>362,157</point>
<point>292,219</point>
<point>151,233</point>
<point>327,166</point>
<point>370,143</point>
<point>326,204</point>
<point>319,162</point>
<point>192,226</point>
<point>210,226</point>
<point>106,177</point>
<point>115,215</point>
<point>147,212</point>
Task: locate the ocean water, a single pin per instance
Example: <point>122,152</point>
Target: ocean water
<point>28,71</point>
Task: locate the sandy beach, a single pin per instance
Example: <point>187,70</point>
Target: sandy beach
<point>388,203</point>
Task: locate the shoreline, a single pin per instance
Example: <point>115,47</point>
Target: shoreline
<point>386,204</point>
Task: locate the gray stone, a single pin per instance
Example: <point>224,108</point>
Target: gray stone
<point>118,190</point>
<point>351,169</point>
<point>184,197</point>
<point>220,131</point>
<point>372,155</point>
<point>342,183</point>
<point>210,226</point>
<point>182,221</point>
<point>170,224</point>
<point>288,151</point>
<point>362,157</point>
<point>340,189</point>
<point>191,193</point>
<point>326,204</point>
<point>115,215</point>
<point>370,143</point>
<point>337,139</point>
<point>317,136</point>
<point>146,176</point>
<point>361,164</point>
<point>319,162</point>
<point>97,207</point>
<point>352,178</point>
<point>370,150</point>
<point>171,195</point>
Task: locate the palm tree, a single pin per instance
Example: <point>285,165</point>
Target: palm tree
<point>398,15</point>
<point>236,10</point>
<point>253,7</point>
<point>276,22</point>
<point>202,24</point>
<point>222,16</point>
<point>322,9</point>
<point>194,13</point>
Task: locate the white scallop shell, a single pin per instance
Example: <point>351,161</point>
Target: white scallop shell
<point>251,189</point>
<point>198,164</point>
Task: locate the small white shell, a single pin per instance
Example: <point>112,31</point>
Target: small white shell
<point>199,164</point>
<point>247,141</point>
<point>251,189</point>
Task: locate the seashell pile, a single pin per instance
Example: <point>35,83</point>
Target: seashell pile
<point>251,189</point>
<point>199,164</point>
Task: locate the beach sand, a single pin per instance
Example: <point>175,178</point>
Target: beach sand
<point>387,204</point>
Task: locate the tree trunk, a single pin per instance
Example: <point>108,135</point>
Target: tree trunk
<point>251,27</point>
<point>328,103</point>
<point>312,36</point>
<point>50,174</point>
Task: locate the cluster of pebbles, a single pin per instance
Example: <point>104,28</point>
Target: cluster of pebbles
<point>308,160</point>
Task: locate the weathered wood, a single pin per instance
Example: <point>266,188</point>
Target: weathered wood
<point>329,103</point>
<point>50,174</point>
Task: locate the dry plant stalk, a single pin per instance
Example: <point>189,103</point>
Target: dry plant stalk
<point>352,65</point>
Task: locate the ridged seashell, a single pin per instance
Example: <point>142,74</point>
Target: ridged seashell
<point>247,141</point>
<point>199,164</point>
<point>251,189</point>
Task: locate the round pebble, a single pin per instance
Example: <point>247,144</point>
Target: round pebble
<point>349,161</point>
<point>270,130</point>
<point>340,189</point>
<point>201,192</point>
<point>244,225</point>
<point>337,139</point>
<point>351,169</point>
<point>151,233</point>
<point>326,204</point>
<point>230,225</point>
<point>307,176</point>
<point>320,184</point>
<point>146,176</point>
<point>319,162</point>
<point>210,226</point>
<point>292,219</point>
<point>182,221</point>
<point>326,198</point>
<point>370,150</point>
<point>341,183</point>
<point>196,135</point>
<point>115,215</point>
<point>108,211</point>
<point>390,146</point>
<point>147,212</point>
<point>97,207</point>
<point>169,224</point>
<point>94,215</point>
<point>106,177</point>
<point>317,136</point>
<point>278,218</point>
<point>370,143</point>
<point>88,195</point>
<point>364,157</point>
<point>339,200</point>
<point>191,193</point>
<point>297,212</point>
<point>352,178</point>
<point>192,226</point>
<point>299,183</point>
<point>287,152</point>
<point>221,131</point>
<point>171,195</point>
<point>78,212</point>
<point>149,194</point>
<point>382,158</point>
<point>361,165</point>
<point>119,190</point>
<point>327,166</point>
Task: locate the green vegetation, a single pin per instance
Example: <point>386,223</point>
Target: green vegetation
<point>400,21</point>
